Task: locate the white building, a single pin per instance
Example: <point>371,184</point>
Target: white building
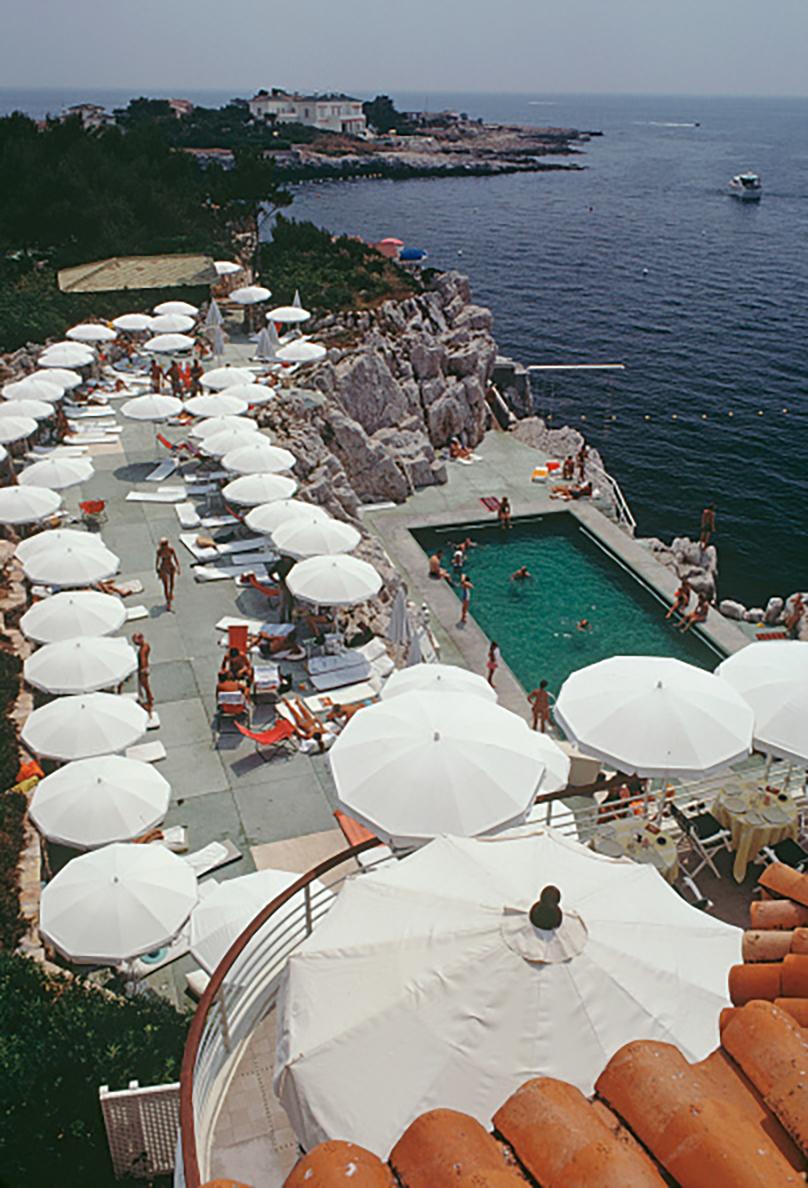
<point>330,113</point>
<point>92,115</point>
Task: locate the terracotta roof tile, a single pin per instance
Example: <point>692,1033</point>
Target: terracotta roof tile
<point>448,1147</point>
<point>796,1007</point>
<point>781,880</point>
<point>766,944</point>
<point>795,976</point>
<point>777,913</point>
<point>762,980</point>
<point>335,1164</point>
<point>562,1139</point>
<point>799,941</point>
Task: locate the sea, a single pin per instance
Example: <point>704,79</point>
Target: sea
<point>641,258</point>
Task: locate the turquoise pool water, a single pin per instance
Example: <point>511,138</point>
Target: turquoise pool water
<point>535,621</point>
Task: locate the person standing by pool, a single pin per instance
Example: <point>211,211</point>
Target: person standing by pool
<point>707,525</point>
<point>156,376</point>
<point>680,599</point>
<point>504,512</point>
<point>540,703</point>
<point>492,662</point>
<point>144,689</point>
<point>466,586</point>
<point>167,566</point>
<point>568,469</point>
<point>583,454</point>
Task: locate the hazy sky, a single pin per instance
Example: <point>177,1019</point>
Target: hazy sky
<point>676,46</point>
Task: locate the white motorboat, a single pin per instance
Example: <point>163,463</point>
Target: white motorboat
<point>747,187</point>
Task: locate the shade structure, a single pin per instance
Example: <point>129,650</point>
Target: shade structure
<point>32,388</point>
<point>213,317</point>
<point>772,677</point>
<point>222,916</point>
<point>171,324</point>
<point>88,613</point>
<point>264,345</point>
<point>266,518</point>
<point>219,404</point>
<point>442,977</point>
<point>84,664</point>
<point>250,295</point>
<point>333,581</point>
<point>16,428</point>
<point>213,425</point>
<point>399,628</point>
<point>217,338</point>
<point>115,903</point>
<point>37,410</point>
<point>67,354</point>
<point>301,352</point>
<point>251,490</point>
<point>152,407</point>
<point>55,537</point>
<point>168,344</point>
<point>226,267</point>
<point>253,393</point>
<point>176,307</point>
<point>422,764</point>
<point>258,458</point>
<point>82,726</point>
<point>90,332</point>
<point>57,473</point>
<point>218,444</point>
<point>132,323</point>
<point>303,537</point>
<point>437,678</point>
<point>68,566</point>
<point>93,802</point>
<point>27,505</point>
<point>556,765</point>
<point>61,376</point>
<point>654,716</point>
<point>220,378</point>
<point>290,314</point>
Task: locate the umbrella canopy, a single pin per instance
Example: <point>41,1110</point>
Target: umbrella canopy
<point>267,518</point>
<point>15,428</point>
<point>291,314</point>
<point>79,727</point>
<point>21,406</point>
<point>654,716</point>
<point>772,677</point>
<point>55,537</point>
<point>66,565</point>
<point>171,324</point>
<point>214,316</point>
<point>27,505</point>
<point>301,352</point>
<point>414,654</point>
<point>265,345</point>
<point>442,977</point>
<point>176,307</point>
<point>220,404</point>
<point>168,344</point>
<point>213,425</point>
<point>222,916</point>
<point>71,613</point>
<point>219,378</point>
<point>152,407</point>
<point>399,629</point>
<point>258,458</point>
<point>251,490</point>
<point>84,664</point>
<point>218,341</point>
<point>133,323</point>
<point>333,581</point>
<point>250,295</point>
<point>92,802</point>
<point>31,388</point>
<point>303,537</point>
<point>66,354</point>
<point>3,453</point>
<point>437,678</point>
<point>90,332</point>
<point>421,764</point>
<point>556,765</point>
<point>117,902</point>
<point>296,300</point>
<point>57,473</point>
<point>218,444</point>
<point>252,393</point>
<point>63,377</point>
<point>226,267</point>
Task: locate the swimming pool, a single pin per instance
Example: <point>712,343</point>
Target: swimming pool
<point>573,577</point>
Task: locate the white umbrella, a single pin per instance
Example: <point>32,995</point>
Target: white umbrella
<point>220,404</point>
<point>171,324</point>
<point>216,445</point>
<point>223,915</point>
<point>65,565</point>
<point>53,537</point>
<point>226,267</point>
<point>315,537</point>
<point>251,490</point>
<point>66,355</point>
<point>250,295</point>
<point>333,581</point>
<point>3,453</point>
<point>252,393</point>
<point>265,344</point>
<point>19,406</point>
<point>432,967</point>
<point>267,517</point>
<point>399,629</point>
<point>291,314</point>
<point>132,323</point>
<point>71,613</point>
<point>62,377</point>
<point>152,407</point>
<point>84,664</point>
<point>213,425</point>
<point>301,352</point>
<point>218,342</point>
<point>27,505</point>
<point>34,389</point>
<point>168,344</point>
<point>772,677</point>
<point>422,764</point>
<point>654,716</point>
<point>93,802</point>
<point>258,458</point>
<point>115,903</point>
<point>437,678</point>
<point>214,316</point>
<point>414,654</point>
<point>556,764</point>
<point>16,428</point>
<point>296,300</point>
<point>224,377</point>
<point>90,332</point>
<point>83,726</point>
<point>176,307</point>
<point>57,473</point>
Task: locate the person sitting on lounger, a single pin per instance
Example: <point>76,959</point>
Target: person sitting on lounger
<point>456,450</point>
<point>236,667</point>
<point>698,615</point>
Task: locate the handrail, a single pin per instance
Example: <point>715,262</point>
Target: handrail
<point>624,513</point>
<point>208,1000</point>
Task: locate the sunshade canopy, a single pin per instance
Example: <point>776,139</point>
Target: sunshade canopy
<point>316,536</point>
<point>84,664</point>
<point>250,295</point>
<point>171,324</point>
<point>63,377</point>
<point>73,612</point>
<point>168,344</point>
<point>66,355</point>
<point>301,352</point>
<point>258,458</point>
<point>34,388</point>
<point>772,677</point>
<point>216,404</point>
<point>437,678</point>
<point>90,332</point>
<point>66,565</point>
<point>251,490</point>
<point>224,377</point>
<point>226,440</point>
<point>79,727</point>
<point>52,537</point>
<point>333,581</point>
<point>266,518</point>
<point>226,267</point>
<point>211,425</point>
<point>152,407</point>
<point>292,314</point>
<point>57,473</point>
<point>27,505</point>
<point>252,393</point>
<point>183,308</point>
<point>132,323</point>
<point>16,428</point>
<point>20,406</point>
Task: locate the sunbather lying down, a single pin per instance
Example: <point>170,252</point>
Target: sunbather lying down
<point>578,492</point>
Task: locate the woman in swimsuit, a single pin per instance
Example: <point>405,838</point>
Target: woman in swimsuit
<point>167,566</point>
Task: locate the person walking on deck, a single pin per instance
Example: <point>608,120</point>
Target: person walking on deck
<point>144,689</point>
<point>492,662</point>
<point>167,566</point>
<point>156,376</point>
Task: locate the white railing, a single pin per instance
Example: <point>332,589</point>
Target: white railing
<point>623,512</point>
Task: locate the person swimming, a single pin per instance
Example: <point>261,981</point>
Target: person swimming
<point>522,574</point>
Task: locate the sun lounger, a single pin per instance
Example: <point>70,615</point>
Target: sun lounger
<point>330,672</point>
<point>56,451</point>
<point>162,471</point>
<point>125,588</point>
<point>218,521</point>
<point>150,752</point>
<point>218,573</point>
<point>187,515</point>
<point>212,857</point>
<point>320,703</point>
<point>372,650</point>
<point>280,736</point>
<point>155,496</point>
<point>355,833</point>
<point>136,612</point>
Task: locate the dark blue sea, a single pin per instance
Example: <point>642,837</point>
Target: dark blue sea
<point>643,258</point>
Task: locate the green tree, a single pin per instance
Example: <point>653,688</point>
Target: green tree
<point>382,115</point>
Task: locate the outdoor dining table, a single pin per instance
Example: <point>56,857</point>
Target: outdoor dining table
<point>755,818</point>
<point>639,840</point>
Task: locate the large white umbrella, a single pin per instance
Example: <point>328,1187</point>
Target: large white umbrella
<point>267,518</point>
<point>66,565</point>
<point>226,440</point>
<point>3,453</point>
<point>168,344</point>
<point>654,716</point>
<point>222,916</point>
<point>62,377</point>
<point>152,407</point>
<point>250,295</point>
<point>66,355</point>
<point>57,473</point>
<point>301,352</point>
<point>54,537</point>
<point>315,537</point>
<point>432,967</point>
<point>399,628</point>
<point>84,664</point>
<point>79,727</point>
<point>171,324</point>
<point>265,344</point>
<point>16,428</point>
<point>90,332</point>
<point>422,764</point>
<point>176,307</point>
<point>27,505</point>
<point>132,323</point>
<point>92,802</point>
<point>34,389</point>
<point>21,406</point>
<point>258,458</point>
<point>71,613</point>
<point>251,490</point>
<point>220,378</point>
<point>437,678</point>
<point>333,581</point>
<point>213,425</point>
<point>290,314</point>
<point>226,267</point>
<point>772,677</point>
<point>252,393</point>
<point>115,903</point>
<point>220,404</point>
<point>214,316</point>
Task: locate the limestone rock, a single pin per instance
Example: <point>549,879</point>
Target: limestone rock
<point>755,615</point>
<point>731,610</point>
<point>774,610</point>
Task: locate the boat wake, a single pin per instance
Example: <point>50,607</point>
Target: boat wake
<point>665,124</point>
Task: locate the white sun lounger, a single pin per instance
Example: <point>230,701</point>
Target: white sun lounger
<point>150,752</point>
<point>218,521</point>
<point>162,471</point>
<point>187,515</point>
<point>218,573</point>
<point>155,496</point>
<point>211,857</point>
<point>136,612</point>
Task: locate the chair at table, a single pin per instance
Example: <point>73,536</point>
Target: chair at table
<point>231,703</point>
<point>789,852</point>
<point>93,512</point>
<point>702,835</point>
<point>277,737</point>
